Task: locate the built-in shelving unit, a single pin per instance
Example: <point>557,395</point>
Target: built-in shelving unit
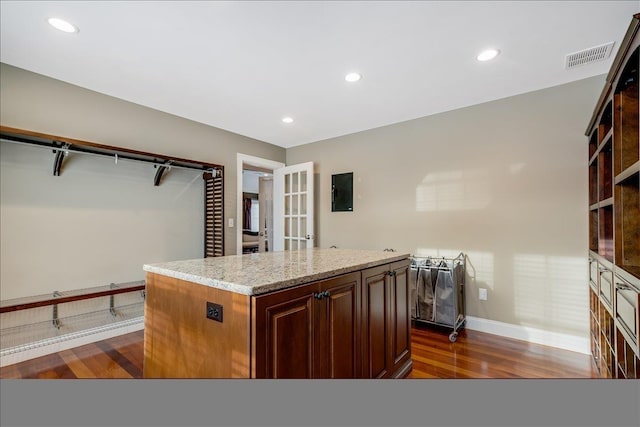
<point>614,216</point>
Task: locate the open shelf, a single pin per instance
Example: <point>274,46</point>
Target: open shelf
<point>593,230</point>
<point>627,226</point>
<point>593,144</point>
<point>626,116</point>
<point>607,334</point>
<point>605,172</point>
<point>593,183</point>
<point>595,327</point>
<point>605,232</point>
<point>628,363</point>
<point>606,121</point>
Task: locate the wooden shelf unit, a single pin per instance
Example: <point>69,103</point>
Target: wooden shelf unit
<point>614,216</point>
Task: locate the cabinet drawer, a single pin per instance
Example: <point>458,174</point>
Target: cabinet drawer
<point>627,308</point>
<point>593,274</point>
<point>606,287</point>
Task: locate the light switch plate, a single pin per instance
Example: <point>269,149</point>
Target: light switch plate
<point>482,294</point>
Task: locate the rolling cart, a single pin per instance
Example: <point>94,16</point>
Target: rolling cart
<point>437,291</point>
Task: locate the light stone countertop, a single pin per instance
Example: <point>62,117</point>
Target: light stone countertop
<point>259,273</point>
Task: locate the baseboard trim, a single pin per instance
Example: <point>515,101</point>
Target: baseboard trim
<point>32,350</point>
<point>532,335</point>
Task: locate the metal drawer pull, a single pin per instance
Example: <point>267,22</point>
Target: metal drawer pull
<point>622,286</point>
<point>321,295</point>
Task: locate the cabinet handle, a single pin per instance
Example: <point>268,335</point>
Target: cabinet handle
<point>320,295</point>
<point>392,273</point>
<point>622,286</point>
<point>602,269</point>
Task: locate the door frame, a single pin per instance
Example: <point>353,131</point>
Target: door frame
<point>242,160</point>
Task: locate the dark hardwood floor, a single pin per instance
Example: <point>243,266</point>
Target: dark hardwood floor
<point>481,355</point>
<point>473,355</point>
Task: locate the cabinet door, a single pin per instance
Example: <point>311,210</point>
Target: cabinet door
<point>375,315</point>
<point>400,322</point>
<point>284,333</point>
<point>338,328</point>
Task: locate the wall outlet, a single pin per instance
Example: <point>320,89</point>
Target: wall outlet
<point>230,222</point>
<point>214,311</point>
<point>482,294</point>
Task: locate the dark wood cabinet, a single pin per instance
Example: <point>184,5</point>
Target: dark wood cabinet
<point>338,326</point>
<point>351,325</point>
<point>614,215</point>
<point>287,328</point>
<point>375,324</point>
<point>400,317</point>
<point>311,331</point>
<point>386,326</point>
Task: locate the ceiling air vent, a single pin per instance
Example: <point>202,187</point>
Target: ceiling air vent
<point>587,56</point>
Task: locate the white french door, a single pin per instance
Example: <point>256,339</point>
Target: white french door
<point>293,222</point>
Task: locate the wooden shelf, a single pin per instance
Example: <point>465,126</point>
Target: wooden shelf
<point>628,363</point>
<point>630,269</point>
<point>626,116</point>
<point>593,145</point>
<point>606,202</point>
<point>599,146</point>
<point>605,171</point>
<point>627,222</point>
<point>627,173</point>
<point>605,127</point>
<point>593,183</point>
<point>593,230</point>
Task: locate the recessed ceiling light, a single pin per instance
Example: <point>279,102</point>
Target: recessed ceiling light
<point>287,120</point>
<point>487,55</point>
<point>63,25</point>
<point>352,77</point>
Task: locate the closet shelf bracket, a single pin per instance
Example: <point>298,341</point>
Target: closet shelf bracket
<point>60,153</point>
<point>161,169</point>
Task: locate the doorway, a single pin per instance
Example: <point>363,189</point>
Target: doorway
<point>254,204</point>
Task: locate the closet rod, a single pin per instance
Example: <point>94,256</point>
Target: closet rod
<point>115,156</point>
<point>431,267</point>
<point>459,256</point>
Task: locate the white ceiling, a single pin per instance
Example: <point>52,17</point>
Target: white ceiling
<point>242,66</point>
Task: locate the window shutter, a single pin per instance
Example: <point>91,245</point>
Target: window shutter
<point>213,214</point>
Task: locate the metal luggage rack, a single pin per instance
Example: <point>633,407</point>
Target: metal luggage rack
<point>441,301</point>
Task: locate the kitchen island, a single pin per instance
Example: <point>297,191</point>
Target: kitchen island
<point>311,313</point>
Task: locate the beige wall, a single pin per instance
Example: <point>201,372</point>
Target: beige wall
<point>505,182</point>
<point>96,224</point>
